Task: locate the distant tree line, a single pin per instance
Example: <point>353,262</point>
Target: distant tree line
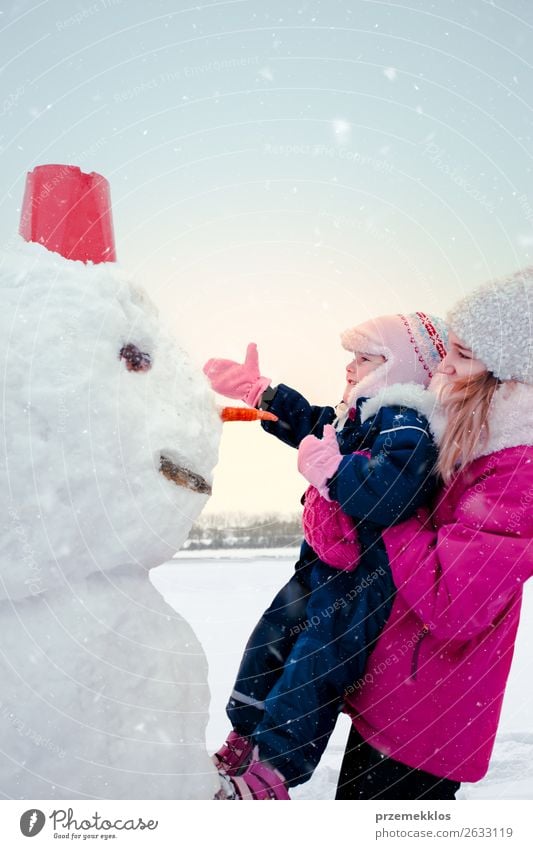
<point>235,530</point>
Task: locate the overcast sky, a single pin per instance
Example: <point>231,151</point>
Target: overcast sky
<point>282,170</point>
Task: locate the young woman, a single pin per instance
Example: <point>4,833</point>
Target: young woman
<point>426,713</point>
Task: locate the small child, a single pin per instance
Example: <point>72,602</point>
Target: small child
<point>373,469</point>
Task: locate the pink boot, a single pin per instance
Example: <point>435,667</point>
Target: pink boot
<point>258,782</point>
<point>234,755</point>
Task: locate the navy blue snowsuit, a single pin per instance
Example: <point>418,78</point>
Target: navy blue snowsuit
<point>314,639</point>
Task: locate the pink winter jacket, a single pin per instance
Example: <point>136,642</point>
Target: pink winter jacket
<point>434,684</point>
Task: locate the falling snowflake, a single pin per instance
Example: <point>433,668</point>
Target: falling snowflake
<point>342,129</point>
<point>266,74</point>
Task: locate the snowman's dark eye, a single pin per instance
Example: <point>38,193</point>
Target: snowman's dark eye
<point>135,359</point>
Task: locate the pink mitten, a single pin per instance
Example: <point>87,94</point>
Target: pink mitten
<point>330,532</point>
<point>318,459</point>
<point>238,380</point>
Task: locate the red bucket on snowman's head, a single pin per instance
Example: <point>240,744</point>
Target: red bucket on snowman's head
<point>69,212</point>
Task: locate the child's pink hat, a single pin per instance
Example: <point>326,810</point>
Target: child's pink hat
<point>413,346</point>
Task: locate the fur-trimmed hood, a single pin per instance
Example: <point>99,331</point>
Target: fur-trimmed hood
<point>510,415</point>
<point>410,395</point>
<point>510,418</point>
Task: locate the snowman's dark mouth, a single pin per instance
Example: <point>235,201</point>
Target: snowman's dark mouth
<point>183,477</point>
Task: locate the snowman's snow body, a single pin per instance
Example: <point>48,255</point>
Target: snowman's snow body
<point>103,687</point>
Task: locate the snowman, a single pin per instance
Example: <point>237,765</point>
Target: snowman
<point>110,437</point>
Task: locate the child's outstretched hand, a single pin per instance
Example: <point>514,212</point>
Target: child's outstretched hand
<point>238,380</point>
<point>318,459</point>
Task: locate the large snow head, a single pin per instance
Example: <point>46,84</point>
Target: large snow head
<point>110,434</point>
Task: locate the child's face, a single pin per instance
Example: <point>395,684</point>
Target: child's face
<point>361,365</point>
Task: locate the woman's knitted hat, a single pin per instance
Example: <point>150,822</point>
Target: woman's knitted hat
<point>413,346</point>
<point>496,322</point>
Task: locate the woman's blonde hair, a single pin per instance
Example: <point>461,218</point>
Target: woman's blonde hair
<point>466,404</point>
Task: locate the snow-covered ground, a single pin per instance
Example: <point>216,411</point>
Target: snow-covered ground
<point>222,595</point>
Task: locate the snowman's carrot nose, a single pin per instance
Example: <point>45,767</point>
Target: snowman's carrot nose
<point>246,414</point>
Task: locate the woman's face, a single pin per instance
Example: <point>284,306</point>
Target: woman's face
<point>459,363</point>
<point>361,365</point>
